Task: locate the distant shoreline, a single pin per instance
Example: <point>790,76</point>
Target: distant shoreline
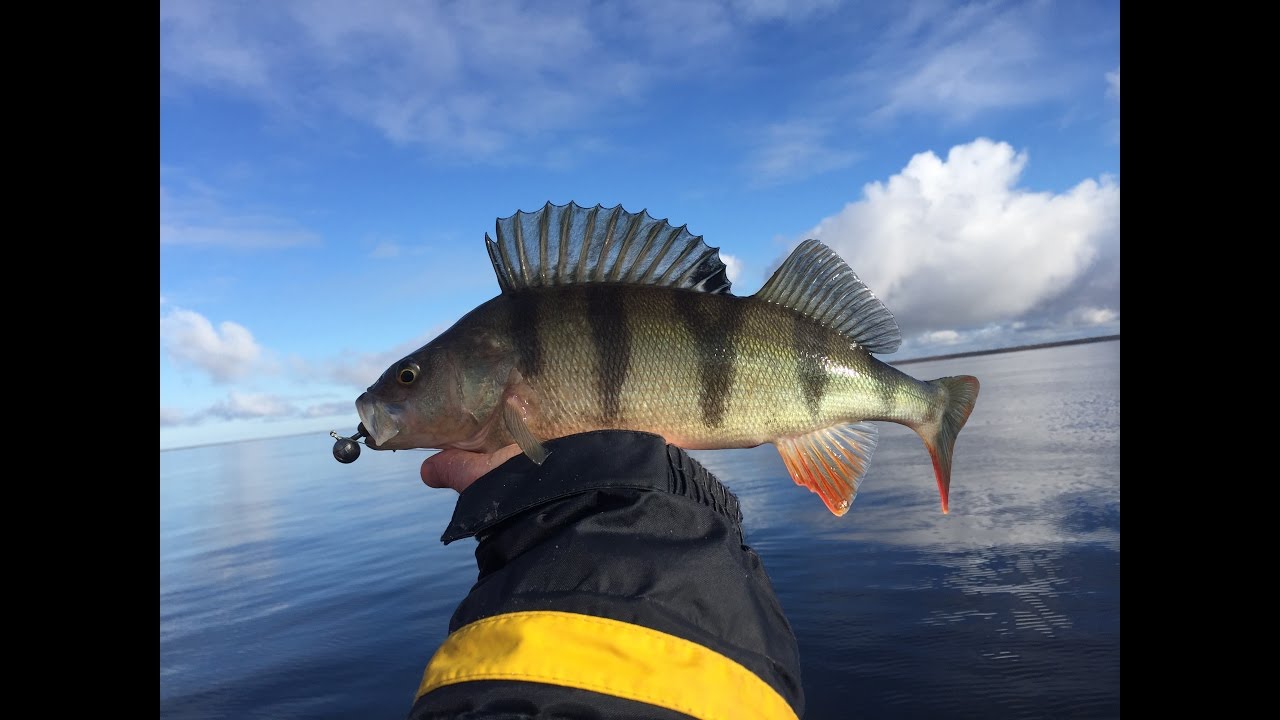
<point>997,351</point>
<point>972,353</point>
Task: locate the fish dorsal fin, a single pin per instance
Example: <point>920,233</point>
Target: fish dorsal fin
<point>816,282</point>
<point>572,245</point>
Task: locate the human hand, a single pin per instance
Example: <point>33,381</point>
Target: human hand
<point>457,469</point>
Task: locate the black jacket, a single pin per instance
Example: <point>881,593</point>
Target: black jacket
<point>614,583</point>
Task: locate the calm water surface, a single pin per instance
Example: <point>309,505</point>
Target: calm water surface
<point>292,586</point>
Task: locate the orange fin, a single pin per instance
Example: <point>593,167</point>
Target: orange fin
<point>830,461</point>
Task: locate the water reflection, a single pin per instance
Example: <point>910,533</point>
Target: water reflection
<point>292,586</point>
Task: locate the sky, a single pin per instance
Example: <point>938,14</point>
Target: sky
<point>328,170</point>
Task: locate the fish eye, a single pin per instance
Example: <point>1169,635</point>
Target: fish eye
<point>408,373</point>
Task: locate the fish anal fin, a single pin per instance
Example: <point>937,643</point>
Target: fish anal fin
<point>830,462</point>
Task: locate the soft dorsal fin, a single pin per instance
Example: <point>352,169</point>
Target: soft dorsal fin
<point>816,282</point>
<point>570,245</point>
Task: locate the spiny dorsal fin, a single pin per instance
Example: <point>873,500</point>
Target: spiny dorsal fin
<point>816,282</point>
<point>570,245</point>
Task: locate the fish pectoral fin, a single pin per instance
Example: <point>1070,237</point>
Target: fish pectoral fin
<point>830,462</point>
<point>513,416</point>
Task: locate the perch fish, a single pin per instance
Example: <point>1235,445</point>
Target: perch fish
<point>609,319</point>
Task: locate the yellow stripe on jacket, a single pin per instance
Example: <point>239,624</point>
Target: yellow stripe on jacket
<point>604,656</point>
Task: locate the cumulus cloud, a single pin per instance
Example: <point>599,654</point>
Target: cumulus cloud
<point>226,352</point>
<point>954,243</point>
<point>1113,83</point>
<point>732,267</point>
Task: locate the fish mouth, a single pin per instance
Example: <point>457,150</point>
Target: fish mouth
<point>380,424</point>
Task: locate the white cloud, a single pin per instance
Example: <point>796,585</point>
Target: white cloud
<point>795,150</point>
<point>469,80</point>
<point>954,243</point>
<point>1094,316</point>
<point>465,78</point>
<point>170,416</point>
<point>240,406</point>
<point>925,58</point>
<point>210,51</point>
<point>959,61</point>
<point>193,214</point>
<point>942,337</point>
<point>255,406</point>
<point>732,267</point>
<point>1113,83</point>
<point>359,370</point>
<point>225,353</point>
<point>790,10</point>
<point>329,409</point>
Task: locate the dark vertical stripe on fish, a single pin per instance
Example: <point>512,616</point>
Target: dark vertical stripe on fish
<point>524,328</point>
<point>612,339</point>
<point>888,386</point>
<point>808,346</point>
<point>714,322</point>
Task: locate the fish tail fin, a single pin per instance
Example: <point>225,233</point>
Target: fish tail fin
<point>956,397</point>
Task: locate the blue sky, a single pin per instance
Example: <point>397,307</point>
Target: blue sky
<point>328,170</point>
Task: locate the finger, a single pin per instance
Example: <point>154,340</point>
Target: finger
<point>457,469</point>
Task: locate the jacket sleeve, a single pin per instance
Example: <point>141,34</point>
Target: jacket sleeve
<point>613,583</point>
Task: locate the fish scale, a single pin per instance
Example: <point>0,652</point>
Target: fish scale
<point>615,320</point>
<point>666,383</point>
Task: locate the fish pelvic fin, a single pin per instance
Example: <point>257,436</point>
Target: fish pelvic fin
<point>958,395</point>
<point>815,282</point>
<point>573,245</point>
<point>830,462</point>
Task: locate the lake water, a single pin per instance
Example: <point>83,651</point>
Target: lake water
<point>292,586</point>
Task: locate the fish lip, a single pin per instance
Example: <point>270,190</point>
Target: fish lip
<point>380,424</point>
